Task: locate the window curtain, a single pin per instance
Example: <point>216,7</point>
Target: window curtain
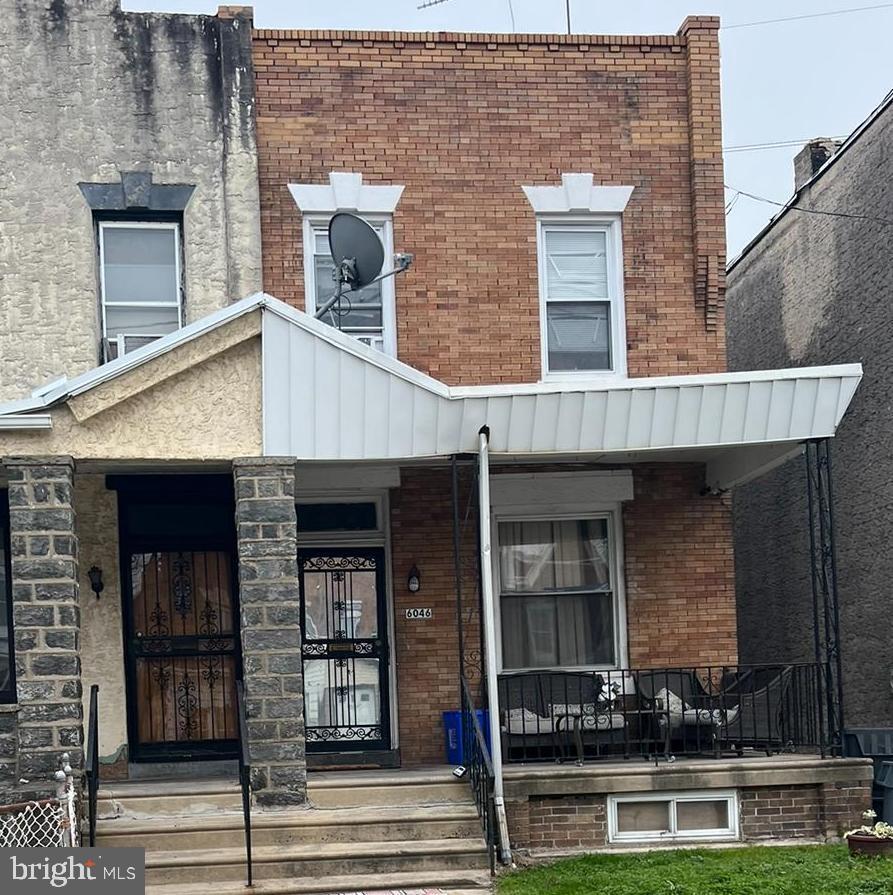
<point>557,600</point>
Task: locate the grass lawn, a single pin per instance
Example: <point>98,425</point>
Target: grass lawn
<point>800,870</point>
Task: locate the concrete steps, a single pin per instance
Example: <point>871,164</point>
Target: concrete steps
<point>362,831</point>
<point>452,882</point>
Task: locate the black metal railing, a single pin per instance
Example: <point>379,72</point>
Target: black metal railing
<point>479,767</point>
<point>91,763</point>
<point>245,776</point>
<point>663,713</point>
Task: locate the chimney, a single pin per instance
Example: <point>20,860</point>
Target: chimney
<point>811,157</point>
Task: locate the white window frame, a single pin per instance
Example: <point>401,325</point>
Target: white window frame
<point>104,304</point>
<point>613,514</point>
<point>316,222</point>
<point>732,832</point>
<point>610,225</point>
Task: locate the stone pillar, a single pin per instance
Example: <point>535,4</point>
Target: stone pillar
<point>46,617</point>
<point>271,632</point>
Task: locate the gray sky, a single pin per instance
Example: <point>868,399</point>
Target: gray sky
<point>785,81</point>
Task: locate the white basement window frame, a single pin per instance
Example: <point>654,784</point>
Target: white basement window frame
<point>676,828</point>
<point>118,338</point>
<point>382,338</point>
<point>605,233</point>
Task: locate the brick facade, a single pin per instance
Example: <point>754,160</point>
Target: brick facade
<point>679,582</point>
<point>463,120</point>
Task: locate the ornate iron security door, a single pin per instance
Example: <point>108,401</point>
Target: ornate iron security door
<point>183,654</point>
<point>344,651</point>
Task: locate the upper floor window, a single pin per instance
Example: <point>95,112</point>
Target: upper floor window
<point>7,665</point>
<point>140,279</point>
<point>580,262</point>
<point>368,315</point>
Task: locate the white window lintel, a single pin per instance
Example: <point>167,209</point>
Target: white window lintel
<point>578,193</point>
<point>346,191</point>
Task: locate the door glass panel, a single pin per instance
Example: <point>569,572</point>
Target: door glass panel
<point>643,817</point>
<point>342,698</point>
<point>702,814</point>
<point>340,603</point>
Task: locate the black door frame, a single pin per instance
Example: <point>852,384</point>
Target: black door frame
<point>151,492</point>
<point>378,648</point>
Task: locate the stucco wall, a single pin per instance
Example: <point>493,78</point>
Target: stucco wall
<point>87,91</point>
<point>209,411</point>
<point>819,290</point>
<point>102,656</point>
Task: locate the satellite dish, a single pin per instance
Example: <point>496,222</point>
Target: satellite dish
<point>356,250</point>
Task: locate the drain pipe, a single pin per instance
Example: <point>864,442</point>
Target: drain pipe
<point>489,624</point>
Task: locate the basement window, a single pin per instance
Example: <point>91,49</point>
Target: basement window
<point>140,279</point>
<point>658,817</point>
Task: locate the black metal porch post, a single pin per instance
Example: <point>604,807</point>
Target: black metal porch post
<point>826,607</point>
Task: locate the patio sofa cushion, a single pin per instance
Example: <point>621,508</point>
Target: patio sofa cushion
<point>523,722</point>
<point>680,714</point>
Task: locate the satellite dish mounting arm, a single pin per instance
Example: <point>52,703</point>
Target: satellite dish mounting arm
<point>346,275</point>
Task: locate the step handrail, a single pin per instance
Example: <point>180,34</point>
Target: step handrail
<point>245,776</point>
<point>480,772</point>
<point>91,770</point>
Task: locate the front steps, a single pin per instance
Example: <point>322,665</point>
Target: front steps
<point>366,831</point>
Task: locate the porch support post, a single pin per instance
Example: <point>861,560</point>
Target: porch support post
<point>46,619</point>
<point>266,525</point>
<point>488,622</point>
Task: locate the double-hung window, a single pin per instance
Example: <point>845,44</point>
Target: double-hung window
<point>7,665</point>
<point>367,314</point>
<point>140,277</point>
<point>581,302</point>
<point>558,597</point>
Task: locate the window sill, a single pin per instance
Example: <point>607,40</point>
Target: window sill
<point>8,708</point>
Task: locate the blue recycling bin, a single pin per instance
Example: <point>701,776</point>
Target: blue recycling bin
<point>452,729</point>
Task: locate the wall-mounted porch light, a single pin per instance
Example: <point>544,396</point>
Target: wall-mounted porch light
<point>96,583</point>
<point>414,581</point>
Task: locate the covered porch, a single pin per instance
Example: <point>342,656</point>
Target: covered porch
<point>377,548</point>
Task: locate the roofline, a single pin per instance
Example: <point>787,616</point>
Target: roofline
<point>792,202</point>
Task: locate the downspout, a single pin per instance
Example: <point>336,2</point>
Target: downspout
<point>489,625</point>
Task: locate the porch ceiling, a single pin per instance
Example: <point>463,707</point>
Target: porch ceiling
<point>328,398</point>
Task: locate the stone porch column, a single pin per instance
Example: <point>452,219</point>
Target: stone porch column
<point>271,633</point>
<point>46,617</point>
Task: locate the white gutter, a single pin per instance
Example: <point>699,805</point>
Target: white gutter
<point>489,623</point>
<point>23,421</point>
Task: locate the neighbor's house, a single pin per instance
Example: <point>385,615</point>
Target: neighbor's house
<point>817,283</point>
<point>272,500</point>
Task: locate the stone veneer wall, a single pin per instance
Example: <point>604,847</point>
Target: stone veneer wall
<point>46,616</point>
<point>266,524</point>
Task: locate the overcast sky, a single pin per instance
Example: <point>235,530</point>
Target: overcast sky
<point>784,81</point>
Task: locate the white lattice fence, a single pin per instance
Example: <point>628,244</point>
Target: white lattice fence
<point>48,823</point>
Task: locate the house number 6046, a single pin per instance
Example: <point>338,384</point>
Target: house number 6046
<point>416,614</point>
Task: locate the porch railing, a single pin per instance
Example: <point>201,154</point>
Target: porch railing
<point>245,777</point>
<point>92,764</point>
<point>480,771</point>
<point>663,713</point>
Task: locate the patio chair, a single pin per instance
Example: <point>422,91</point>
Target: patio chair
<point>529,731</point>
<point>755,717</point>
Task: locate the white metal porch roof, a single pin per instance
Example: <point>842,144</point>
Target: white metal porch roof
<point>327,397</point>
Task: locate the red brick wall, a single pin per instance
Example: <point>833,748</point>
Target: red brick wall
<point>680,595</point>
<point>680,578</point>
<point>463,121</point>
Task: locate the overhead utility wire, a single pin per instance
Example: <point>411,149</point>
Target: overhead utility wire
<point>811,15</point>
<point>791,207</point>
<point>778,144</point>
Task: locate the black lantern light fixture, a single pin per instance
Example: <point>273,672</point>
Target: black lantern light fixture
<point>414,581</point>
<point>96,582</point>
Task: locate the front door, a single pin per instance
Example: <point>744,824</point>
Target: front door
<point>182,653</point>
<point>345,649</point>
